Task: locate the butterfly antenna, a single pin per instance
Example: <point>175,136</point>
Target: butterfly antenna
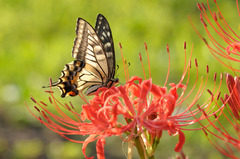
<point>45,86</point>
<point>119,83</point>
<point>123,69</point>
<point>117,67</point>
<point>52,84</point>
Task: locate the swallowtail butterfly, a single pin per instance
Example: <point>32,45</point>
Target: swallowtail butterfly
<point>94,64</point>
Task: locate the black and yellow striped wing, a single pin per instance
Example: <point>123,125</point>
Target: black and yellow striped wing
<point>94,66</point>
<point>104,33</point>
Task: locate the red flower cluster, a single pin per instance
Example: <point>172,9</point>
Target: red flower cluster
<point>227,128</point>
<point>139,109</point>
<point>226,47</point>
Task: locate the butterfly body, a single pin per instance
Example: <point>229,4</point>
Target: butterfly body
<point>94,66</point>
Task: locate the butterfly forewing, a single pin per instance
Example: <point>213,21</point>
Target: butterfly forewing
<point>104,33</point>
<point>94,66</point>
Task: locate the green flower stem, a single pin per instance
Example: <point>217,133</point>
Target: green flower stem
<point>130,149</point>
<point>141,149</point>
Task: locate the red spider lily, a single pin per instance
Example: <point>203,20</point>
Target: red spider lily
<point>224,134</point>
<point>227,43</point>
<point>233,100</point>
<point>226,49</point>
<point>147,110</point>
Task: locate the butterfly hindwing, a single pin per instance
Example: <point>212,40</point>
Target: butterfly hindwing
<point>94,66</point>
<point>67,82</point>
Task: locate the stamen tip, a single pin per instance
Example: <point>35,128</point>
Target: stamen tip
<point>50,80</point>
<point>221,76</point>
<point>43,103</point>
<point>50,100</point>
<point>205,132</point>
<point>196,63</point>
<point>40,119</point>
<point>203,6</point>
<point>215,76</point>
<point>125,60</point>
<point>199,6</point>
<point>49,91</point>
<point>120,45</point>
<point>140,56</point>
<point>215,115</point>
<point>37,108</point>
<point>167,48</point>
<point>219,16</point>
<point>215,16</point>
<point>205,41</point>
<point>209,92</point>
<point>218,95</point>
<point>145,45</point>
<point>33,100</point>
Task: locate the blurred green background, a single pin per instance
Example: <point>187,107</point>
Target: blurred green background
<point>36,39</point>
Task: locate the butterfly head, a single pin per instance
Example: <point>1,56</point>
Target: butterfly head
<point>112,82</point>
